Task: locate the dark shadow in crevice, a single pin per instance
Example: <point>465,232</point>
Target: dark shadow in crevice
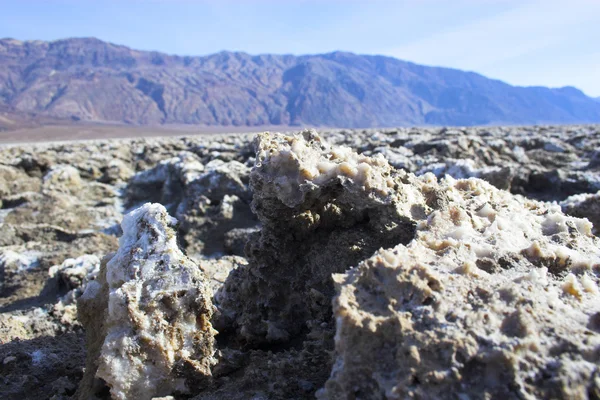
<point>42,367</point>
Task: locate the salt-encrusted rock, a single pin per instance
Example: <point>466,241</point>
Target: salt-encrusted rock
<point>165,182</point>
<point>74,273</point>
<point>470,297</point>
<point>463,169</point>
<point>584,206</point>
<point>116,171</point>
<point>496,297</point>
<point>13,181</point>
<point>209,200</point>
<point>148,314</point>
<point>69,280</point>
<point>548,163</point>
<point>63,178</point>
<point>322,211</point>
<point>42,229</point>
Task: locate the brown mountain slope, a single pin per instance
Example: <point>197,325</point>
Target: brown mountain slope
<point>87,79</point>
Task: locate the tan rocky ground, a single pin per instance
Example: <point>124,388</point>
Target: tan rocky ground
<point>335,271</point>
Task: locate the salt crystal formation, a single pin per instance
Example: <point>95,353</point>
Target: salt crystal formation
<point>497,297</point>
<point>585,205</point>
<point>322,211</point>
<point>148,315</point>
<point>476,292</point>
<point>70,280</point>
<point>434,280</point>
<point>209,200</point>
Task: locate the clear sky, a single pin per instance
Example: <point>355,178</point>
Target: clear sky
<point>523,42</point>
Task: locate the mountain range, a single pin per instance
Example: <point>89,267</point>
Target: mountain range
<point>90,80</point>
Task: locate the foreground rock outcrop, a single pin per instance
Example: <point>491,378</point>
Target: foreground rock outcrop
<point>478,293</point>
<point>322,211</point>
<point>496,297</point>
<point>359,271</point>
<point>148,315</point>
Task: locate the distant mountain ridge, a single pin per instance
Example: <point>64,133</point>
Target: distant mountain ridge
<point>88,79</point>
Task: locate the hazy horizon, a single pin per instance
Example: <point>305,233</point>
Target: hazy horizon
<point>523,43</point>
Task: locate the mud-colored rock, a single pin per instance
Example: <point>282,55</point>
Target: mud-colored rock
<point>322,211</point>
<point>14,181</point>
<point>116,171</point>
<point>236,239</point>
<point>218,269</point>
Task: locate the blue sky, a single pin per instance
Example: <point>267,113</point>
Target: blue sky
<point>523,42</point>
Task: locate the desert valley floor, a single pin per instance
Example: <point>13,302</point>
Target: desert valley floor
<point>379,263</point>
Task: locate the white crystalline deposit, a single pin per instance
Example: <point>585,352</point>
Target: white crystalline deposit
<point>585,205</point>
<point>157,337</point>
<point>496,297</point>
<point>71,278</point>
<point>64,178</point>
<point>74,273</point>
<point>19,262</point>
<point>304,163</point>
<point>185,166</point>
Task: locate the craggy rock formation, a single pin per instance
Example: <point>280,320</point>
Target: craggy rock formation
<point>216,203</point>
<point>471,285</point>
<point>71,277</point>
<point>165,182</point>
<point>496,297</point>
<point>546,163</point>
<point>148,314</point>
<point>209,200</point>
<point>322,211</point>
<point>69,280</point>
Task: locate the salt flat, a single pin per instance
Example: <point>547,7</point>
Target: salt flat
<point>287,232</point>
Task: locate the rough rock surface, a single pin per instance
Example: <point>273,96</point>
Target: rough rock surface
<point>209,200</point>
<point>322,211</point>
<point>542,162</point>
<point>496,297</point>
<point>62,204</point>
<point>69,280</point>
<point>584,206</point>
<point>471,284</point>
<point>148,315</point>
